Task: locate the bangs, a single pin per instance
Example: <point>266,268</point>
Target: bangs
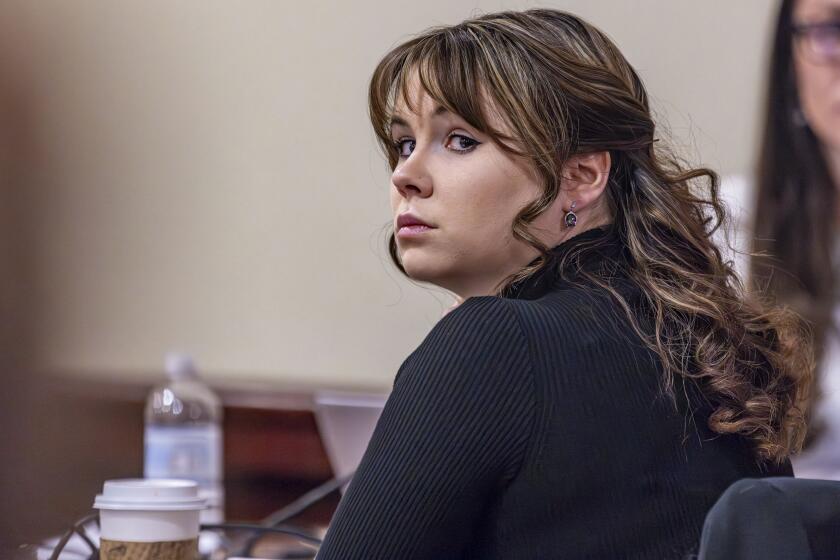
<point>448,64</point>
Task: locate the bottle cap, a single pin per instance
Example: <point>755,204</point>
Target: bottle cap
<point>180,366</point>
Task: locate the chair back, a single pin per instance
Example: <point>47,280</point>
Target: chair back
<point>774,518</point>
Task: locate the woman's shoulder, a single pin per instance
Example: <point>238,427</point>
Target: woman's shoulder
<point>496,320</point>
<point>477,322</point>
<point>483,325</point>
<point>466,336</point>
<point>478,346</point>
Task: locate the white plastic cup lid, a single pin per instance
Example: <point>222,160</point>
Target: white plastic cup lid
<point>150,494</point>
<point>212,496</point>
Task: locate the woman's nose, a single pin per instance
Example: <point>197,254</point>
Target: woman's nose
<point>412,177</point>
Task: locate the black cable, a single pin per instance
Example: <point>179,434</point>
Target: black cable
<point>62,542</point>
<point>80,530</point>
<point>261,529</point>
<point>65,538</point>
<point>306,501</point>
<point>294,509</point>
<point>298,555</point>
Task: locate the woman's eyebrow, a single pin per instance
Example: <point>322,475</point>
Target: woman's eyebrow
<point>398,120</point>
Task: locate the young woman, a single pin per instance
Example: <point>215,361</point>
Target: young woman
<point>796,199</point>
<point>602,381</point>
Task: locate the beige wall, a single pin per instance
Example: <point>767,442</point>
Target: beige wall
<point>206,179</point>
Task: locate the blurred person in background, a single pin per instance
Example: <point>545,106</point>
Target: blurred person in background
<point>790,211</point>
<point>604,379</point>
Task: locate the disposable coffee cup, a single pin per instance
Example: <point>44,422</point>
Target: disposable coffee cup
<point>149,518</point>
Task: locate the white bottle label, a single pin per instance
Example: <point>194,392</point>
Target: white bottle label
<point>192,452</point>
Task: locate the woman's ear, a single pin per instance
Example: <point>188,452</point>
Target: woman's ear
<point>584,177</point>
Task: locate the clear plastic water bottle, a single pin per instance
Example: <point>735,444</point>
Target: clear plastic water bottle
<point>183,435</point>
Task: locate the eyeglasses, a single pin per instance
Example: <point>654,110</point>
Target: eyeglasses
<point>820,39</point>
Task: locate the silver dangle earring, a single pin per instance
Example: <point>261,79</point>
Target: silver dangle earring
<point>570,218</point>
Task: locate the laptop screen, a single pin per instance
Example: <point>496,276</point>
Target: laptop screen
<point>346,422</point>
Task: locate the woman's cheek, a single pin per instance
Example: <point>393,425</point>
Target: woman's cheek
<point>817,96</point>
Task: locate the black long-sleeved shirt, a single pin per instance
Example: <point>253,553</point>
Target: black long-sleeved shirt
<point>533,426</point>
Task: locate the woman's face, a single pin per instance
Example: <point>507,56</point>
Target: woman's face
<point>818,77</point>
<point>468,190</point>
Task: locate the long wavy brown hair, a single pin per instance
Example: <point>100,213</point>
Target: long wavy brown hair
<point>796,201</point>
<point>564,88</point>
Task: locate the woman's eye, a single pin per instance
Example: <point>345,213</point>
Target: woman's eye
<point>458,143</point>
<point>399,146</point>
<point>463,143</point>
<point>826,38</point>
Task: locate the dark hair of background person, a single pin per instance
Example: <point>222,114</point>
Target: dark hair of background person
<point>795,205</point>
<point>562,87</point>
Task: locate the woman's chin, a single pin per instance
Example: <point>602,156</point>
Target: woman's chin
<point>419,273</point>
<point>420,267</point>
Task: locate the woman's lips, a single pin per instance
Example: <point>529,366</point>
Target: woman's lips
<point>414,230</point>
<point>410,225</point>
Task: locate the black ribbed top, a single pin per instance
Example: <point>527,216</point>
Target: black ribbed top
<point>533,426</point>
